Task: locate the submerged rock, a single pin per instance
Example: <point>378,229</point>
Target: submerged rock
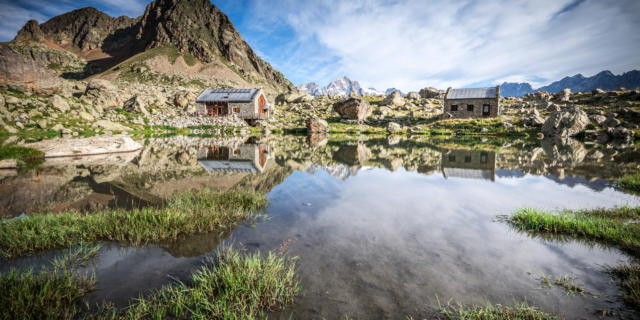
<point>69,147</point>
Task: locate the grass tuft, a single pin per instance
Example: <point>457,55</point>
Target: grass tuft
<point>490,311</point>
<point>51,293</point>
<point>617,226</point>
<point>630,182</point>
<point>228,287</point>
<point>187,213</point>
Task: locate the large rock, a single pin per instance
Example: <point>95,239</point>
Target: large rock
<point>317,125</point>
<point>565,123</point>
<point>394,99</point>
<point>353,108</point>
<point>429,93</point>
<point>393,127</point>
<point>564,95</point>
<point>70,147</point>
<point>21,73</point>
<point>137,104</point>
<point>413,95</point>
<point>58,103</point>
<point>97,86</point>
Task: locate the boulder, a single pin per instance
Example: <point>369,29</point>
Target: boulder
<point>136,104</point>
<point>565,123</point>
<point>597,91</point>
<point>612,122</point>
<point>20,73</point>
<point>393,127</point>
<point>70,147</point>
<point>96,86</point>
<point>59,103</point>
<point>598,119</point>
<point>42,123</point>
<point>429,93</point>
<point>180,100</point>
<point>413,95</point>
<point>85,116</point>
<point>564,95</point>
<point>317,125</point>
<point>1,101</point>
<point>620,134</point>
<point>394,99</point>
<point>353,108</point>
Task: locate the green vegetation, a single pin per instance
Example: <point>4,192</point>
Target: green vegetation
<point>493,312</point>
<point>630,182</point>
<point>230,287</point>
<point>187,213</point>
<point>628,277</point>
<point>618,227</point>
<point>51,293</point>
<point>27,157</point>
<point>610,226</point>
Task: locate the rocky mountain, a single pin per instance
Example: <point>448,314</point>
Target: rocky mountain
<point>604,80</point>
<point>341,87</point>
<point>87,41</point>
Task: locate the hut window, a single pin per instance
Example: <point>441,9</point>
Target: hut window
<point>467,159</point>
<point>236,110</point>
<point>452,158</point>
<point>469,107</point>
<point>483,157</point>
<point>454,107</point>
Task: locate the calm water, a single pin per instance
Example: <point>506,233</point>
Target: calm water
<point>382,228</point>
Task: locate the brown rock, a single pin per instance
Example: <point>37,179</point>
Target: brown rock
<point>18,72</point>
<point>316,125</point>
<point>353,108</point>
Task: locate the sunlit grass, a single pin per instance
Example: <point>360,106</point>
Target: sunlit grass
<point>630,182</point>
<point>490,311</point>
<point>187,213</point>
<point>230,287</point>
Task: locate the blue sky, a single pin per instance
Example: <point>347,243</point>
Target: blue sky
<point>409,44</point>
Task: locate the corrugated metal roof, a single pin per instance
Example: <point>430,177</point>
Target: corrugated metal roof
<point>467,173</point>
<point>227,95</point>
<point>228,166</point>
<point>472,93</point>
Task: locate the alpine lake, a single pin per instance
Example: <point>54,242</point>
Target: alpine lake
<point>381,227</point>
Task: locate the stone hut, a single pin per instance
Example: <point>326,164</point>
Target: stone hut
<point>245,158</point>
<point>472,102</point>
<point>248,104</point>
<point>469,164</point>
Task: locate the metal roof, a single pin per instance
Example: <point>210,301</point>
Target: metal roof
<point>467,173</point>
<point>228,166</point>
<point>472,93</point>
<point>227,95</point>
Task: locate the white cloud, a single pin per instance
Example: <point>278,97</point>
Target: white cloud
<point>411,44</point>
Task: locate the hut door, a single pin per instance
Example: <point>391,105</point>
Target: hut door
<point>262,102</point>
<point>485,110</point>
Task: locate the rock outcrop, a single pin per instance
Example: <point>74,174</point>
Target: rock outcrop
<point>317,125</point>
<point>429,93</point>
<point>565,123</point>
<point>21,73</point>
<point>394,99</point>
<point>353,108</point>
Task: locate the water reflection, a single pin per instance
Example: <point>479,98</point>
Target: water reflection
<point>469,164</point>
<point>381,225</point>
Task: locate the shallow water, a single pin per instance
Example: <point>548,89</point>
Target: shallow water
<point>382,228</point>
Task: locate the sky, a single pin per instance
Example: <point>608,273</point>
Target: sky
<point>411,44</point>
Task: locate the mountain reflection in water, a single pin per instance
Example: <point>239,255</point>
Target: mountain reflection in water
<point>381,226</point>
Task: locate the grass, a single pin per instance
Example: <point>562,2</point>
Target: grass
<point>628,276</point>
<point>28,157</point>
<point>610,226</point>
<point>230,287</point>
<point>618,227</point>
<point>630,182</point>
<point>187,213</point>
<point>51,293</point>
<point>490,311</point>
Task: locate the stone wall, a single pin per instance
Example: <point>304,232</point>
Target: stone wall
<point>494,107</point>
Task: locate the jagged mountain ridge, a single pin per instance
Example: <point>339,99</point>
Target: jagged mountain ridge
<point>604,80</point>
<point>194,27</point>
<point>342,87</point>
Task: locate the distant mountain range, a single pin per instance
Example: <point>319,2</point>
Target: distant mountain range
<point>604,80</point>
<point>342,87</point>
